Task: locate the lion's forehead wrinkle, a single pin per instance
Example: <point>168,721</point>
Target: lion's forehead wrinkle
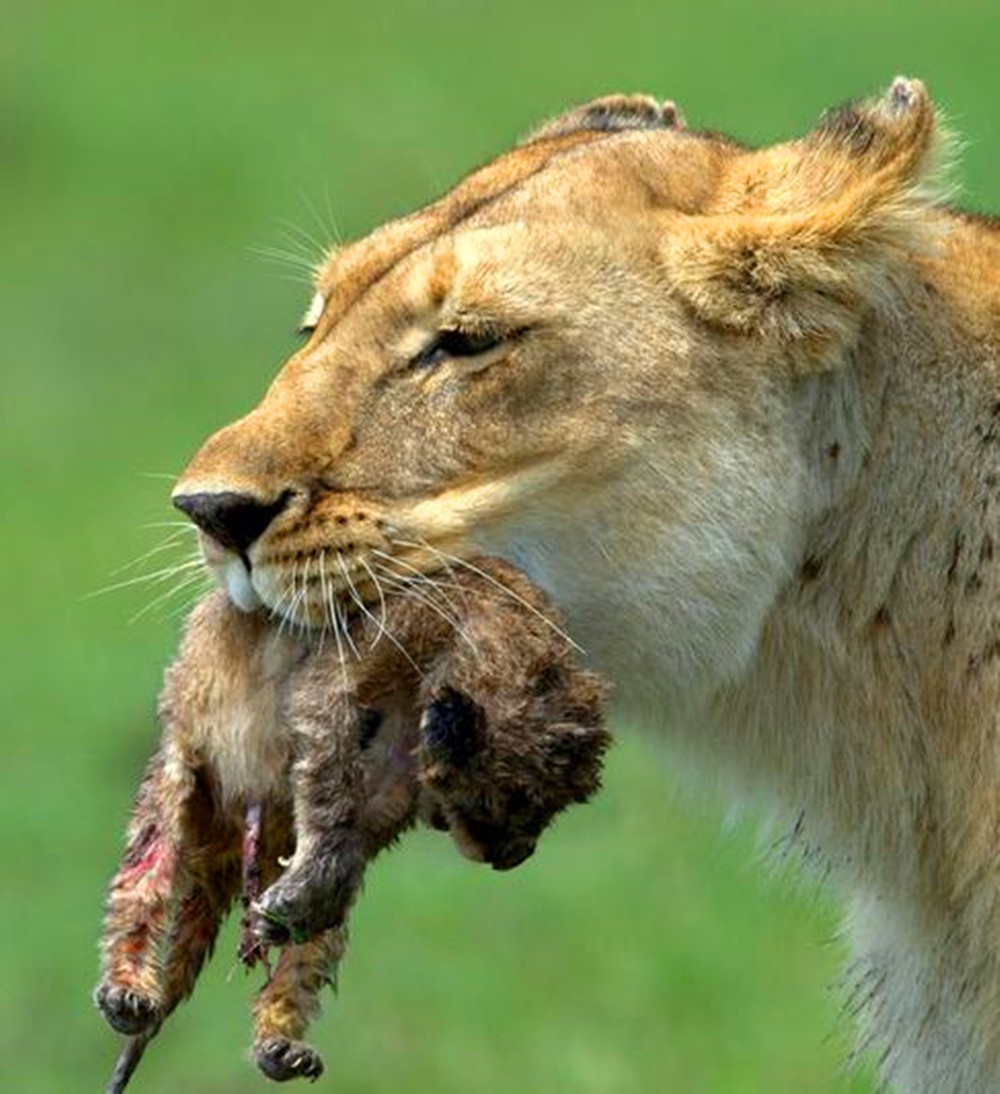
<point>624,174</point>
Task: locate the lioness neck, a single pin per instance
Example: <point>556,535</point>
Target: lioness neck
<point>871,697</point>
<point>821,625</point>
<point>868,696</point>
<point>825,632</point>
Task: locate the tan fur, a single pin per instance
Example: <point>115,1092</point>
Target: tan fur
<point>743,421</point>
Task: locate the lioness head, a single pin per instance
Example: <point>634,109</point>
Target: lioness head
<point>585,357</point>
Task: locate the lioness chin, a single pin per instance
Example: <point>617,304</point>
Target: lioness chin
<point>739,411</point>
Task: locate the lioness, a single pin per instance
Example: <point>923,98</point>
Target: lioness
<point>739,412</point>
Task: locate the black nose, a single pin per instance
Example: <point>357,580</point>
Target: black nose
<point>233,520</point>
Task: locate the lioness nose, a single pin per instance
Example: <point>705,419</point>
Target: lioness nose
<point>233,520</point>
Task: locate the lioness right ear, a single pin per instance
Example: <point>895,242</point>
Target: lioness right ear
<point>803,234</point>
<point>611,114</point>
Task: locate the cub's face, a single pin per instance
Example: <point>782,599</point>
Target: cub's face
<point>497,782</point>
<point>590,340</point>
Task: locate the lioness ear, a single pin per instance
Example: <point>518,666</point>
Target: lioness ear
<point>803,233</point>
<point>611,114</point>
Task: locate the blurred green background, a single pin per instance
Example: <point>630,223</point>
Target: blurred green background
<point>145,150</point>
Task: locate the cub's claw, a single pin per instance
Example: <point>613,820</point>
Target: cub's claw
<point>311,899</point>
<point>126,1011</point>
<point>267,928</point>
<point>286,913</point>
<point>281,1059</point>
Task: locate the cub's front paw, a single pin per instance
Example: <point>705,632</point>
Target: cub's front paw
<point>311,896</point>
<point>281,1059</point>
<point>289,911</point>
<point>125,1010</point>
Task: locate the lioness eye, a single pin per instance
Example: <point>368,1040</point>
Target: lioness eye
<point>456,343</point>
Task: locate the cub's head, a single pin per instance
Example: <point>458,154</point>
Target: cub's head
<point>587,341</point>
<point>497,782</point>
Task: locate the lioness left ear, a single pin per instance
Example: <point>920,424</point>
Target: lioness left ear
<point>801,234</point>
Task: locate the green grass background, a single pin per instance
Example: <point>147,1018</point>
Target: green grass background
<point>144,148</point>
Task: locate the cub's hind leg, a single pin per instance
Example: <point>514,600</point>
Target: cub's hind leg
<point>289,1001</point>
<point>137,921</point>
<point>178,877</point>
<point>200,913</point>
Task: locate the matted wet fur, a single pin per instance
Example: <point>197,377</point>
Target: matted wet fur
<point>738,411</point>
<point>480,718</point>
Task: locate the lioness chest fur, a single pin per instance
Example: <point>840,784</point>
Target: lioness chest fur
<point>739,411</point>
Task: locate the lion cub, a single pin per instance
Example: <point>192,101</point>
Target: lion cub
<point>471,713</point>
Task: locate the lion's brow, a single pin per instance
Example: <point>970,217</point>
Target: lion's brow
<point>476,192</point>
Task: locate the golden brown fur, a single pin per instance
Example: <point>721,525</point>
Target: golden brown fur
<point>481,719</point>
<point>739,411</point>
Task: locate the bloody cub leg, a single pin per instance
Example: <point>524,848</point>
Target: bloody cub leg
<point>204,888</point>
<point>196,925</point>
<point>140,898</point>
<point>174,855</point>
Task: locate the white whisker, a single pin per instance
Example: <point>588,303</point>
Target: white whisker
<point>185,524</point>
<point>388,633</point>
<point>167,544</point>
<point>297,599</point>
<point>330,613</point>
<point>307,244</point>
<point>304,271</point>
<point>418,575</point>
<point>499,584</point>
<point>277,610</point>
<point>154,578</point>
<point>333,225</point>
<point>402,587</point>
<point>280,609</point>
<point>337,625</point>
<point>341,613</point>
<point>189,602</point>
<point>289,258</point>
<point>381,598</point>
<point>328,228</point>
<point>173,591</point>
<point>353,592</point>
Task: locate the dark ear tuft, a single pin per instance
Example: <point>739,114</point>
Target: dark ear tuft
<point>831,215</point>
<point>896,126</point>
<point>452,727</point>
<point>611,114</point>
<point>847,124</point>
